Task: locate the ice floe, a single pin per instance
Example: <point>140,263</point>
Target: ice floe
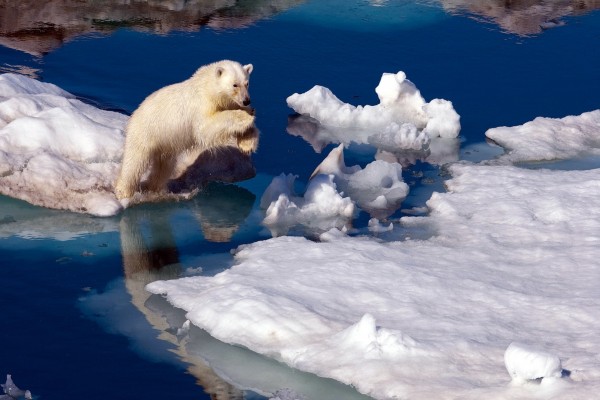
<point>403,120</point>
<point>56,151</point>
<point>547,139</point>
<point>507,255</point>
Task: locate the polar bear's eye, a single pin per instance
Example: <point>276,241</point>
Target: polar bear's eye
<point>235,85</point>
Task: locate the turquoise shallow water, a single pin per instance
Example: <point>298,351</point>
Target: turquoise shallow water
<point>77,322</point>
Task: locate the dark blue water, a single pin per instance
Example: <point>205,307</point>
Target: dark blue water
<point>76,323</point>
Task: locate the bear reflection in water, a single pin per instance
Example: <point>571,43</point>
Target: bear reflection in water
<point>149,250</point>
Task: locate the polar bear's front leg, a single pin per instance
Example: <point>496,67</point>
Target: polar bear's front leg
<point>228,123</point>
<point>248,142</point>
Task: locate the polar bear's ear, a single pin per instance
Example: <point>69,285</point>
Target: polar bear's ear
<point>248,68</point>
<point>220,71</point>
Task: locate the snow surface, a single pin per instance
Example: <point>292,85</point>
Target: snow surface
<point>56,151</point>
<point>503,285</point>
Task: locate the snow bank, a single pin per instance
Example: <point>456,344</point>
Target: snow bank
<point>550,138</point>
<point>510,255</point>
<point>401,121</point>
<point>377,189</point>
<point>56,151</point>
<point>320,209</point>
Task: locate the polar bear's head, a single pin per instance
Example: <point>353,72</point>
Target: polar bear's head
<point>233,80</point>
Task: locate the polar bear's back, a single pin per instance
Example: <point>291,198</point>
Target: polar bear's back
<point>164,118</point>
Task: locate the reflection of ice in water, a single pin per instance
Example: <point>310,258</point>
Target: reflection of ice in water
<point>373,15</point>
<point>38,27</point>
<point>522,17</point>
<point>21,219</point>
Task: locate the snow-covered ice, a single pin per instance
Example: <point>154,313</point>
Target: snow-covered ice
<point>56,151</point>
<point>510,256</point>
<point>525,363</point>
<point>547,139</point>
<point>403,120</point>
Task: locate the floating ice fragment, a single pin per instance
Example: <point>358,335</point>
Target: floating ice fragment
<point>56,151</point>
<point>377,189</point>
<point>527,363</point>
<point>375,226</point>
<point>401,121</point>
<point>320,209</point>
<point>13,391</point>
<point>443,120</point>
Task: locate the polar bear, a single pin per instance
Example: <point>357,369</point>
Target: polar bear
<point>208,110</point>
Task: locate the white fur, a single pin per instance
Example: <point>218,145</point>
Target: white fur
<point>201,113</point>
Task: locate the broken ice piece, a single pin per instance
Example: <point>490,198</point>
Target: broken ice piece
<point>525,363</point>
<point>13,391</point>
